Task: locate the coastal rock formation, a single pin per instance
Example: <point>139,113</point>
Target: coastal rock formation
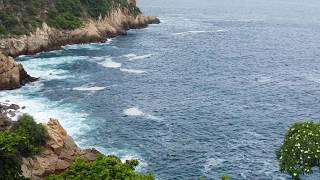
<point>58,154</point>
<point>46,38</point>
<point>12,74</point>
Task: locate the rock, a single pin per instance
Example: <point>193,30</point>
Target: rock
<point>7,111</point>
<point>5,122</point>
<point>89,155</point>
<point>132,2</point>
<point>9,73</point>
<point>14,107</point>
<point>45,38</point>
<point>58,154</point>
<point>12,74</point>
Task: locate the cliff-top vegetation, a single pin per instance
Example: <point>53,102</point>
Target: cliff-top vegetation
<point>18,17</point>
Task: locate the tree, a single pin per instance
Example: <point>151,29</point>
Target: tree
<point>300,151</point>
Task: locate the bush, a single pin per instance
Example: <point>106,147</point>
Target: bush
<point>23,141</point>
<point>105,167</point>
<point>300,151</point>
<point>36,135</point>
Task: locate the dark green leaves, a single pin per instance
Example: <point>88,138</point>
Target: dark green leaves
<point>23,141</point>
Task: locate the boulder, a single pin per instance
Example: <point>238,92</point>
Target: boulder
<point>12,74</point>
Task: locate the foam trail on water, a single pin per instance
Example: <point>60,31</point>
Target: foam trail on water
<point>198,32</point>
<point>108,63</point>
<point>42,109</point>
<point>48,68</point>
<point>134,111</point>
<point>212,163</point>
<point>133,71</point>
<point>90,46</point>
<point>87,88</point>
<point>132,57</point>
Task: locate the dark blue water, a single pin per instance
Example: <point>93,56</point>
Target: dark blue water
<point>208,92</point>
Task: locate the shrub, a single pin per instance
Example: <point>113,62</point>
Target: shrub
<point>23,141</point>
<point>300,151</point>
<point>63,21</point>
<point>36,135</point>
<point>105,167</point>
<point>9,161</point>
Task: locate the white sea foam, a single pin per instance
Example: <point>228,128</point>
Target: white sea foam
<point>108,63</point>
<point>152,117</point>
<point>87,88</point>
<point>198,32</point>
<point>47,68</point>
<point>134,111</point>
<point>133,57</point>
<point>212,163</point>
<point>42,109</point>
<point>133,71</point>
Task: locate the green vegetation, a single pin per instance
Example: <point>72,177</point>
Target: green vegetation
<point>19,16</point>
<point>225,177</point>
<point>23,16</point>
<point>105,167</point>
<point>300,151</point>
<point>23,141</point>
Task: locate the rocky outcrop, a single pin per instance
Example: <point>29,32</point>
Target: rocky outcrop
<point>57,155</point>
<point>47,38</point>
<point>12,74</point>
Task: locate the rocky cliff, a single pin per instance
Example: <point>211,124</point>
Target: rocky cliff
<point>45,38</point>
<point>57,155</point>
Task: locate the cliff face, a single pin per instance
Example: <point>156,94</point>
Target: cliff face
<point>57,155</point>
<point>12,75</point>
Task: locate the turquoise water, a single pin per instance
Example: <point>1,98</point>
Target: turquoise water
<point>208,92</point>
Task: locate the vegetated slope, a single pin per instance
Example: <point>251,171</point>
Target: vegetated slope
<point>18,17</point>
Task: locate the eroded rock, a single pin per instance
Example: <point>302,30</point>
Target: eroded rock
<point>12,74</point>
<point>58,154</point>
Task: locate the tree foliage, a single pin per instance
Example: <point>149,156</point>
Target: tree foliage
<point>23,16</point>
<point>23,141</point>
<point>300,151</point>
<point>104,168</point>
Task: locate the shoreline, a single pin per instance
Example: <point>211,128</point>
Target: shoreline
<point>60,150</point>
<point>45,39</point>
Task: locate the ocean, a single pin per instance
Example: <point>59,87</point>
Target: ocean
<point>208,92</point>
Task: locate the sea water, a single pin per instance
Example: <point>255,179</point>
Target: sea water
<point>208,92</point>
